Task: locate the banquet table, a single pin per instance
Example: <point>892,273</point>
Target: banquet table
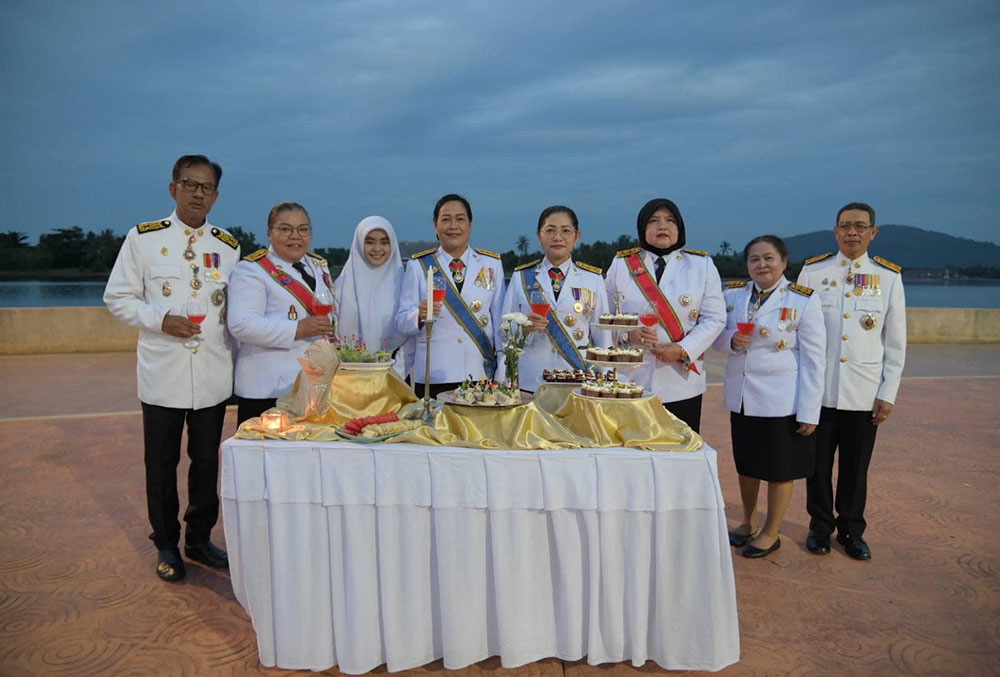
<point>357,555</point>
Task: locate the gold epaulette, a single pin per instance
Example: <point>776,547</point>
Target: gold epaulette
<point>529,264</point>
<point>734,284</point>
<point>800,289</point>
<point>887,264</point>
<point>628,252</point>
<point>588,267</point>
<point>225,237</point>
<point>487,252</point>
<point>816,259</point>
<point>696,252</point>
<point>151,226</point>
<point>256,256</point>
<point>423,253</point>
<point>317,258</point>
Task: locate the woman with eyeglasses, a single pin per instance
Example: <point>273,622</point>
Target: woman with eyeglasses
<point>280,301</point>
<point>366,292</point>
<point>570,293</point>
<point>679,290</point>
<point>776,342</point>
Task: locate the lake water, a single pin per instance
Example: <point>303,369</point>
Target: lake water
<point>31,294</point>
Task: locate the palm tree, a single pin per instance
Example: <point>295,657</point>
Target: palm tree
<point>725,248</point>
<point>13,239</point>
<point>522,245</point>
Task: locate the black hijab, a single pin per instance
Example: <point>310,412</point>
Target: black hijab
<point>647,212</point>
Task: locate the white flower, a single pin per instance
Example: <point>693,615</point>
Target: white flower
<point>519,318</point>
<point>505,325</point>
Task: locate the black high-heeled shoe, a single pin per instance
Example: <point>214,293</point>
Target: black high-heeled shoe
<point>739,540</point>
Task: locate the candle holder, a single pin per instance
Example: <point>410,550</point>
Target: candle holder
<point>275,421</point>
<point>428,417</point>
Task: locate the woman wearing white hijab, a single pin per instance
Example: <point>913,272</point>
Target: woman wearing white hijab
<point>367,290</point>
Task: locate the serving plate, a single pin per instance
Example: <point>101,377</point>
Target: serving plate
<point>618,365</point>
<point>615,327</point>
<point>450,397</point>
<point>367,366</point>
<point>369,440</point>
<point>646,396</point>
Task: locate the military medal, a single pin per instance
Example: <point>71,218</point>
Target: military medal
<point>164,251</point>
<point>868,321</point>
<point>484,320</point>
<point>189,251</point>
<point>570,320</point>
<point>693,314</point>
<point>578,334</point>
<point>785,316</point>
<point>457,271</point>
<point>476,305</point>
<point>218,297</point>
<point>765,332</point>
<point>685,300</point>
<point>195,282</point>
<point>557,280</point>
<point>166,289</point>
<point>780,345</point>
<point>292,313</point>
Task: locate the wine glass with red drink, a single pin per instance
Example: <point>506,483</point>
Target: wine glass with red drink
<point>745,328</point>
<point>195,308</point>
<point>539,304</point>
<point>648,315</point>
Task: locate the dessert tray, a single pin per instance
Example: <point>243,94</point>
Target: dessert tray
<point>368,440</point>
<point>645,396</point>
<point>367,366</point>
<point>451,397</point>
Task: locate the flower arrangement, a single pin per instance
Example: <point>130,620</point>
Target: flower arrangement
<point>512,326</point>
<point>355,350</point>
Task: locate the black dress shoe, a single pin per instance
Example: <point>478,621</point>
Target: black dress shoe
<point>169,565</point>
<point>739,540</point>
<point>817,543</point>
<point>206,553</point>
<point>753,552</point>
<point>855,547</point>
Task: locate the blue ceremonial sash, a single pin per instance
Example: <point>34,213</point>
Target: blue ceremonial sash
<point>557,333</point>
<point>466,319</point>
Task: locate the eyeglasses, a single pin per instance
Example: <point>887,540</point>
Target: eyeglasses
<point>859,226</point>
<point>286,231</point>
<point>190,186</point>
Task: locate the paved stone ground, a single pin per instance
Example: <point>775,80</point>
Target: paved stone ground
<point>78,594</point>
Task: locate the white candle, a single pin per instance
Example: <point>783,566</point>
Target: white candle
<point>429,315</point>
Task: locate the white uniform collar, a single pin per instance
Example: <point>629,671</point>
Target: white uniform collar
<point>444,258</point>
<point>781,281</point>
<point>844,262</point>
<point>273,255</point>
<point>564,267</point>
<point>173,217</point>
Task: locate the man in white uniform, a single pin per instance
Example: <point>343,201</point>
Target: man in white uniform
<point>865,314</point>
<point>160,266</point>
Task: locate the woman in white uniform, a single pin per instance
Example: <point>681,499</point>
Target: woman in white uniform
<point>272,310</point>
<point>575,292</point>
<point>684,286</point>
<point>367,290</point>
<point>774,386</point>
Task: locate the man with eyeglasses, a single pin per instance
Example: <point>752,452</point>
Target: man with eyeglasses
<point>170,281</point>
<point>280,302</point>
<point>865,313</point>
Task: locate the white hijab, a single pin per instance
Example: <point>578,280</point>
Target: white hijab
<point>375,290</point>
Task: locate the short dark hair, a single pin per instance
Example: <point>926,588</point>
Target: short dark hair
<point>186,161</point>
<point>272,217</point>
<point>772,240</point>
<point>860,206</point>
<point>452,197</point>
<point>557,209</point>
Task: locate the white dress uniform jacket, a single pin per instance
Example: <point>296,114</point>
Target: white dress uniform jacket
<point>454,355</point>
<point>691,283</point>
<point>259,317</point>
<point>539,350</point>
<point>781,373</point>
<point>866,335</point>
<point>151,278</point>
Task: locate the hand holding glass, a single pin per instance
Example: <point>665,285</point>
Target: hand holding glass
<point>195,308</point>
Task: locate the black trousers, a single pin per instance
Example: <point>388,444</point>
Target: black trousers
<point>436,388</point>
<point>853,434</point>
<point>162,428</point>
<point>688,410</point>
<point>248,407</point>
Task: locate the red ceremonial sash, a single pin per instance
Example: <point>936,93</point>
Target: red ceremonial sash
<point>291,285</point>
<point>664,311</point>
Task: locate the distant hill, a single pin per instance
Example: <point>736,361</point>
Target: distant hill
<point>908,246</point>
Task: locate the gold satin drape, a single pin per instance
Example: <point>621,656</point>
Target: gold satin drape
<point>556,419</point>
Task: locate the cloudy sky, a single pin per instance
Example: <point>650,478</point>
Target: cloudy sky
<point>754,117</point>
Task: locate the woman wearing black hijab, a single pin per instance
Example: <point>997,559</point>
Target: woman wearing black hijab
<point>683,289</point>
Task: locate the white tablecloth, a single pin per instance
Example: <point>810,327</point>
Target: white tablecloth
<point>353,555</point>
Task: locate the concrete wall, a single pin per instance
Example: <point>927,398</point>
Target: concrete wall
<point>26,331</point>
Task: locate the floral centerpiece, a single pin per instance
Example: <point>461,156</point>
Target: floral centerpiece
<point>512,326</point>
<point>355,350</point>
